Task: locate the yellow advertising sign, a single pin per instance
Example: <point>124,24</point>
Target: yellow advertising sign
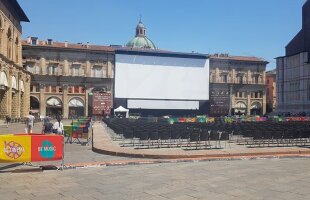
<point>15,148</point>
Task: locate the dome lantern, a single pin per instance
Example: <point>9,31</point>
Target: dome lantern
<point>140,40</point>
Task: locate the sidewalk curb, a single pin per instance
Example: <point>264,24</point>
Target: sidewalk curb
<point>163,161</point>
<point>180,156</point>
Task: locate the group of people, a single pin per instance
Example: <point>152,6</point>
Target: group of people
<point>48,126</point>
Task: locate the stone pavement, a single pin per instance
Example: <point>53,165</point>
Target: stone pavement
<point>274,179</point>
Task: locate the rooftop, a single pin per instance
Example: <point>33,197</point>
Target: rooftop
<point>237,58</point>
<point>65,45</point>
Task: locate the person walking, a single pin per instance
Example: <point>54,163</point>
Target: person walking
<point>47,126</point>
<point>58,126</point>
<point>29,123</point>
<point>8,120</point>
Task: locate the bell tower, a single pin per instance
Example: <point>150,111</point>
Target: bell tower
<point>140,29</point>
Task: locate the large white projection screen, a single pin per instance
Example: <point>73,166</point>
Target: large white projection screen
<point>165,78</point>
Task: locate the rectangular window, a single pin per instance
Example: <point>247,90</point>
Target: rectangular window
<point>75,70</point>
<point>256,94</point>
<point>60,89</point>
<point>37,88</point>
<point>54,89</point>
<point>47,89</point>
<point>256,79</point>
<point>60,71</point>
<point>83,71</point>
<point>70,90</point>
<point>83,90</point>
<point>76,89</point>
<point>225,78</point>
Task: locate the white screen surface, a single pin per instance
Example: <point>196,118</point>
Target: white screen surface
<point>163,104</point>
<point>155,77</point>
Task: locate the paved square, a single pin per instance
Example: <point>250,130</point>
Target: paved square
<point>240,179</point>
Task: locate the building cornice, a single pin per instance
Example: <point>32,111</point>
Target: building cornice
<point>17,66</point>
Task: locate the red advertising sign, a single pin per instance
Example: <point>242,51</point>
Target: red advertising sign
<point>46,147</point>
<point>102,103</point>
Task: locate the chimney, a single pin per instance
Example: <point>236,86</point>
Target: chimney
<point>66,43</point>
<point>87,45</point>
<point>49,41</point>
<point>34,40</point>
<point>28,40</point>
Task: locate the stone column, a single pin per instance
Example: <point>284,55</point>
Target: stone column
<point>65,107</point>
<point>66,68</point>
<point>233,80</point>
<point>248,102</point>
<point>249,79</point>
<point>109,69</point>
<point>43,66</point>
<point>88,69</point>
<point>217,75</point>
<point>86,101</point>
<point>42,101</point>
<point>264,102</point>
<point>9,94</point>
<point>27,95</point>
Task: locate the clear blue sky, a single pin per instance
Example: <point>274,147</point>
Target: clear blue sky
<point>259,28</point>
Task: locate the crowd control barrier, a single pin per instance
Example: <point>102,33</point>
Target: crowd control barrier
<point>31,148</point>
<point>77,130</point>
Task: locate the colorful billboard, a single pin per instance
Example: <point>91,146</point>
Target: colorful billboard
<point>30,148</point>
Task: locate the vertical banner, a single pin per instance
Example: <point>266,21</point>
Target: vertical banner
<point>46,147</point>
<point>15,148</point>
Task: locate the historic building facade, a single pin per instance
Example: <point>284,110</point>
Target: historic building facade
<point>293,70</point>
<point>237,85</point>
<point>271,91</point>
<point>14,80</point>
<point>65,76</point>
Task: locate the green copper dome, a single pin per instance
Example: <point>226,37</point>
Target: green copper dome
<point>140,40</point>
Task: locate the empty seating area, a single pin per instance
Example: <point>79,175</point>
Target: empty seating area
<point>143,133</point>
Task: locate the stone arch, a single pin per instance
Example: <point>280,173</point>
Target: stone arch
<point>54,106</point>
<point>3,94</point>
<point>240,108</point>
<point>34,104</point>
<point>76,107</point>
<point>256,108</point>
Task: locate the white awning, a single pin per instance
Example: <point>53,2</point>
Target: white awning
<point>53,102</point>
<point>240,105</point>
<point>21,86</point>
<point>256,106</point>
<point>76,103</point>
<point>3,79</point>
<point>14,83</point>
